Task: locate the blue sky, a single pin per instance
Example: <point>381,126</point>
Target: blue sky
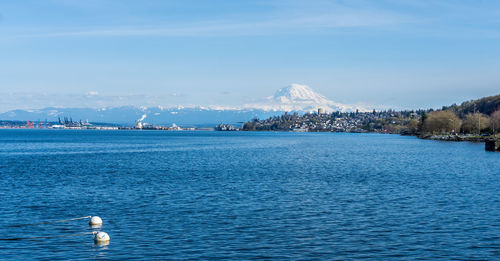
<point>95,53</point>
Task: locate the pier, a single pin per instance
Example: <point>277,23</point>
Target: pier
<point>492,145</point>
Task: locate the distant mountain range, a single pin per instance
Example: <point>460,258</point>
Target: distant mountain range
<point>293,98</point>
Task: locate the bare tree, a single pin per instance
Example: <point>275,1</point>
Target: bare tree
<point>475,123</point>
<point>442,122</point>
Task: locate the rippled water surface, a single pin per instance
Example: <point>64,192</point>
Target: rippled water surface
<point>242,195</point>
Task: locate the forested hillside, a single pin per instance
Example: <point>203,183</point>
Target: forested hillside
<point>486,105</point>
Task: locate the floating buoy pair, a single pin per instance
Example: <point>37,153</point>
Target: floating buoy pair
<point>100,237</point>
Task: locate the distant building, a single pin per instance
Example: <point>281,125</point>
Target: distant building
<point>321,111</point>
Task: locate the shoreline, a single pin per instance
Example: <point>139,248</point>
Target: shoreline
<point>438,137</point>
<point>449,137</point>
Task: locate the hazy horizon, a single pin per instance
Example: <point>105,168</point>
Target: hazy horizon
<point>383,54</point>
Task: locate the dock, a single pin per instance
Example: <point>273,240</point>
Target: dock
<point>492,145</point>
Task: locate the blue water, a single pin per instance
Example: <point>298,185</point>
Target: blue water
<point>243,195</point>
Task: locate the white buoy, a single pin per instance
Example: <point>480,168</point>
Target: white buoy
<point>101,237</point>
<point>95,221</point>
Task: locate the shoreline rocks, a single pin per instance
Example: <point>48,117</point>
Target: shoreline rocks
<point>451,137</point>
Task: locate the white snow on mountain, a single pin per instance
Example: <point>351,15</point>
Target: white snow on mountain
<point>298,93</point>
<point>298,97</point>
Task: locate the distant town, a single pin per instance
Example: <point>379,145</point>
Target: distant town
<point>382,121</point>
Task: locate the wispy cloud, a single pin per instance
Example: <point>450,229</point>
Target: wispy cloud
<point>286,17</point>
<point>284,21</point>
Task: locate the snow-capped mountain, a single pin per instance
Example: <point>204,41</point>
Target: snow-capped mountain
<point>296,97</point>
<point>297,93</point>
<point>302,98</point>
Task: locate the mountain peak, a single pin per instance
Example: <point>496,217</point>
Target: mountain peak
<point>298,97</point>
<point>298,93</point>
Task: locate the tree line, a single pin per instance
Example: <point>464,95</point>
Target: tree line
<point>447,121</point>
